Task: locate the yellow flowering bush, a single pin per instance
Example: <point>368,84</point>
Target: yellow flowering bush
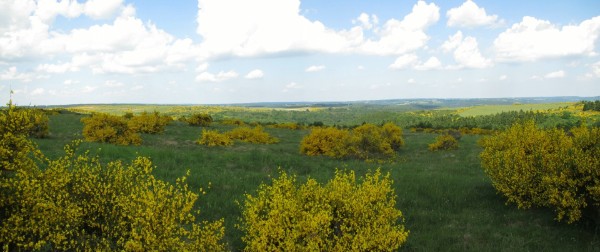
<point>151,123</point>
<point>251,135</point>
<point>77,203</point>
<point>107,128</point>
<point>329,141</point>
<point>343,215</point>
<point>444,142</point>
<point>549,168</point>
<point>367,142</point>
<point>214,138</point>
<point>291,126</point>
<point>199,119</point>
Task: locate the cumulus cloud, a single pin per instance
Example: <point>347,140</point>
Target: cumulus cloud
<point>263,27</point>
<point>404,61</point>
<point>314,68</point>
<point>503,77</point>
<point>465,51</point>
<point>555,75</point>
<point>291,86</point>
<point>431,64</point>
<point>470,15</point>
<point>254,74</point>
<point>38,91</point>
<point>13,74</point>
<point>534,39</point>
<point>595,70</point>
<point>399,37</point>
<point>124,45</point>
<point>219,77</point>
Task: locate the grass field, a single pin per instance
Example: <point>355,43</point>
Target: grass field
<point>494,109</point>
<point>447,201</point>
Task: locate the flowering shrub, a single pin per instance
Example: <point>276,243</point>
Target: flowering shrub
<point>16,124</point>
<point>342,215</point>
<point>251,135</point>
<point>214,138</point>
<point>328,141</point>
<point>200,119</point>
<point>106,128</point>
<point>149,123</point>
<point>76,203</point>
<point>444,142</point>
<point>550,168</point>
<point>291,126</point>
<point>367,142</point>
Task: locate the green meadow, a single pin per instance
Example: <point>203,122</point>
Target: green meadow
<point>447,201</point>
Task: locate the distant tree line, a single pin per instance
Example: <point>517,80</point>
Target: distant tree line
<point>591,105</point>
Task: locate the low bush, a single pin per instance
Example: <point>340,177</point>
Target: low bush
<point>214,138</point>
<point>106,128</point>
<point>444,142</point>
<point>367,142</point>
<point>199,119</point>
<point>251,135</point>
<point>343,215</point>
<point>150,123</point>
<point>546,167</point>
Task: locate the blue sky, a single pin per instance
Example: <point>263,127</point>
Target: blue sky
<point>238,51</point>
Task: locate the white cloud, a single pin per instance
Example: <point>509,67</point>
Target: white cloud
<point>265,27</point>
<point>555,75</point>
<point>595,69</point>
<point>57,68</point>
<point>89,89</point>
<point>533,39</point>
<point>113,83</point>
<point>470,15</point>
<point>102,9</point>
<point>431,64</point>
<point>366,21</point>
<point>466,51</point>
<point>404,61</point>
<point>38,91</point>
<point>503,77</point>
<point>254,74</point>
<point>314,68</point>
<point>411,81</point>
<point>221,76</point>
<point>13,74</point>
<point>254,28</point>
<point>360,68</point>
<point>399,37</point>
<point>291,86</point>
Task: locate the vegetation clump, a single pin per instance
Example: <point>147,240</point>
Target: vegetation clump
<point>546,167</point>
<point>343,215</point>
<point>77,203</point>
<point>367,142</point>
<point>107,128</point>
<point>252,135</point>
<point>214,138</point>
<point>199,119</point>
<point>444,142</point>
<point>150,123</point>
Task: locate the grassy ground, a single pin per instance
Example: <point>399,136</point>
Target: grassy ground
<point>448,202</point>
<point>494,109</point>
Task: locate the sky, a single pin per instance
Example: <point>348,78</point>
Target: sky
<point>240,51</point>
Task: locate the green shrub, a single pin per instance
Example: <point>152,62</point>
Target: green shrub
<point>549,168</point>
<point>444,142</point>
<point>251,135</point>
<point>77,203</point>
<point>343,215</point>
<point>149,123</point>
<point>200,119</point>
<point>214,138</point>
<point>328,141</point>
<point>106,128</point>
<point>16,124</point>
<point>367,142</point>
